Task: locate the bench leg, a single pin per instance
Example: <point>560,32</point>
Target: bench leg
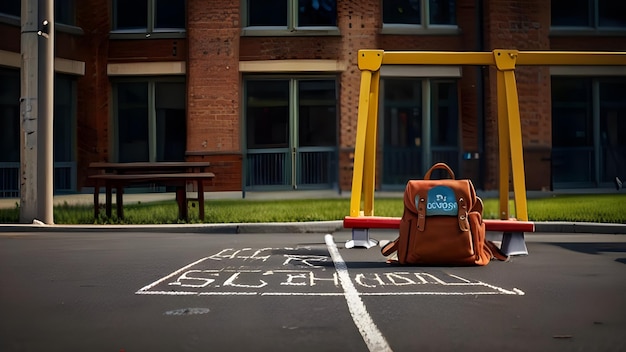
<point>96,200</point>
<point>361,238</point>
<point>513,243</point>
<point>119,199</point>
<point>181,199</point>
<point>200,200</point>
<point>108,199</point>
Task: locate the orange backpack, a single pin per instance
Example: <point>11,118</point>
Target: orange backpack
<point>442,224</point>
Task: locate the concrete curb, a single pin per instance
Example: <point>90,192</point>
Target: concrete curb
<point>288,227</point>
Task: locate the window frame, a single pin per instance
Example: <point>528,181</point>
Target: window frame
<point>150,32</point>
<point>151,81</point>
<point>428,147</point>
<point>592,29</point>
<point>70,28</point>
<point>291,29</point>
<point>596,75</point>
<point>424,27</point>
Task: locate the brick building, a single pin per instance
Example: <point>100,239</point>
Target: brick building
<point>268,91</point>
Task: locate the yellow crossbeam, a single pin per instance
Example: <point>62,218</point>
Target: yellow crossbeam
<point>509,126</point>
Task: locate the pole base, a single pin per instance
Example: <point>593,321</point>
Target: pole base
<point>513,243</point>
<point>361,238</point>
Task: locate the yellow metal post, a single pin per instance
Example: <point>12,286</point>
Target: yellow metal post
<point>364,155</point>
<point>503,147</point>
<point>505,63</point>
<point>517,153</point>
<point>359,144</point>
<point>369,176</point>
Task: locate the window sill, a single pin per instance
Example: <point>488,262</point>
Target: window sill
<point>68,29</point>
<point>289,32</point>
<point>591,32</point>
<point>400,29</point>
<point>142,34</point>
<point>10,20</point>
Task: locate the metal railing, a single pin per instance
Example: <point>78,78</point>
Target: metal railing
<point>64,178</point>
<point>314,167</point>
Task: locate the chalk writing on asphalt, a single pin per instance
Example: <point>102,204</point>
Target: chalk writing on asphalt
<point>306,271</point>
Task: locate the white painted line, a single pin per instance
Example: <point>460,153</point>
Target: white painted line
<point>373,338</point>
<point>146,288</point>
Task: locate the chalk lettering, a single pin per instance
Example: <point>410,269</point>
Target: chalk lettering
<point>231,282</point>
<point>291,277</point>
<point>313,279</point>
<point>186,280</point>
<point>230,253</point>
<point>362,280</point>
<point>305,259</point>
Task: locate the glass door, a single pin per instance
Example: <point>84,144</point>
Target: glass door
<point>290,133</point>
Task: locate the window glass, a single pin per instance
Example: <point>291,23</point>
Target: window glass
<point>171,131</point>
<point>64,12</point>
<point>317,112</point>
<point>131,14</point>
<point>613,129</point>
<point>402,130</point>
<point>317,13</point>
<point>63,118</point>
<point>442,12</point>
<point>403,113</point>
<point>612,13</point>
<point>444,114</point>
<point>267,13</point>
<point>402,11</point>
<point>132,122</point>
<point>10,7</point>
<point>9,115</point>
<point>267,114</point>
<point>169,14</point>
<point>571,13</point>
<point>571,112</point>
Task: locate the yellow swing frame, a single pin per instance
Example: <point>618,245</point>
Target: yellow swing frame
<point>511,158</point>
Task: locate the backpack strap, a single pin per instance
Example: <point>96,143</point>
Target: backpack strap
<point>389,248</point>
<point>495,251</point>
<point>442,166</point>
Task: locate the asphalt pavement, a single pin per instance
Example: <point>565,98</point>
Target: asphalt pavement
<point>296,286</point>
<point>160,291</point>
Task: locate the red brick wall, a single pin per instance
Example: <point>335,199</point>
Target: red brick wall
<point>213,49</point>
<point>521,25</point>
<point>92,116</point>
<point>213,76</point>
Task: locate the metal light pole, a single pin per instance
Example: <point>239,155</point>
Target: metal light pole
<point>36,111</point>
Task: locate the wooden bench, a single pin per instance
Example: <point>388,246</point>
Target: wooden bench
<point>512,231</point>
<point>178,174</point>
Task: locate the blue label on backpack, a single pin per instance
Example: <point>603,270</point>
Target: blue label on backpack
<point>441,201</point>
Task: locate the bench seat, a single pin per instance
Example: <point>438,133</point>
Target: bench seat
<point>381,222</point>
<point>180,180</point>
<point>513,242</point>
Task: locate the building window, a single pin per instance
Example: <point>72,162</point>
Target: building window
<point>291,132</point>
<point>148,19</point>
<point>588,15</point>
<point>10,7</point>
<point>9,132</point>
<point>290,17</point>
<point>419,126</point>
<point>63,11</point>
<point>150,120</point>
<point>64,130</point>
<point>414,16</point>
<point>588,131</point>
